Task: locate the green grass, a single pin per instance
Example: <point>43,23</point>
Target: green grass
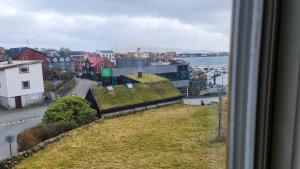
<point>147,78</point>
<point>140,93</point>
<point>177,136</point>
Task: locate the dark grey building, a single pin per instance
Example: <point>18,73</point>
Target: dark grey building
<point>132,62</point>
<point>62,63</point>
<point>177,72</point>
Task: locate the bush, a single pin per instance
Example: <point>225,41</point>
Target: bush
<point>68,109</point>
<point>28,139</point>
<point>33,136</point>
<point>52,130</point>
<point>67,75</point>
<point>86,119</point>
<point>48,86</point>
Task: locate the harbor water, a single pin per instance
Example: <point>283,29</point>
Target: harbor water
<point>211,61</point>
<point>207,61</point>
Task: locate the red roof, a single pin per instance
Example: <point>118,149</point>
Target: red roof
<point>94,58</point>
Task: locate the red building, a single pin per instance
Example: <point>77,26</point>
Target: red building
<point>93,65</point>
<point>29,54</point>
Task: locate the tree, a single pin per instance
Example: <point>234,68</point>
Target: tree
<point>69,109</point>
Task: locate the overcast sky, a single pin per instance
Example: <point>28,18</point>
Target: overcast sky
<point>107,24</point>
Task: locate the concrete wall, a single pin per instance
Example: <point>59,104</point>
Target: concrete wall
<point>33,99</point>
<point>14,80</point>
<point>155,69</point>
<point>7,102</point>
<point>27,100</point>
<point>3,86</point>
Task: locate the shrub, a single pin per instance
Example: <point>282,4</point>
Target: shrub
<point>67,75</point>
<point>28,139</point>
<point>33,136</point>
<point>54,129</point>
<point>68,109</point>
<point>48,86</point>
<point>85,119</point>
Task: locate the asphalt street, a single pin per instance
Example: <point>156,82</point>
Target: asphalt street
<point>206,100</point>
<point>12,122</point>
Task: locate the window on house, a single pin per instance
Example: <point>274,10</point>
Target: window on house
<point>24,70</point>
<point>25,84</point>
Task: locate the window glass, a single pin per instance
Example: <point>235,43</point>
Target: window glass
<point>24,69</point>
<point>26,84</point>
<point>174,53</point>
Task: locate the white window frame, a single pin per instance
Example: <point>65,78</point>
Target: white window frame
<point>265,91</point>
<point>243,82</point>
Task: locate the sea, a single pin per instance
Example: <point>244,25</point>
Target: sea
<point>211,61</point>
<point>207,61</point>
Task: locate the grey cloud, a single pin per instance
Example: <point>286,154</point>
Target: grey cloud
<point>202,24</point>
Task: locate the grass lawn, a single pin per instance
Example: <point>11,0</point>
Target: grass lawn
<point>177,136</point>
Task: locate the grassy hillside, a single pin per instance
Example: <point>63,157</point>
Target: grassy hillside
<point>123,96</point>
<point>177,136</point>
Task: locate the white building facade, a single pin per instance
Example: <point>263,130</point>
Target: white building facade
<point>21,84</point>
<point>109,54</point>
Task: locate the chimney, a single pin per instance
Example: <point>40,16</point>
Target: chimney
<point>140,74</point>
<point>9,60</point>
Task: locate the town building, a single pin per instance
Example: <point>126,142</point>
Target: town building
<point>50,52</point>
<point>132,62</point>
<point>163,57</point>
<point>176,71</point>
<point>58,63</point>
<point>131,93</point>
<point>93,66</point>
<point>21,83</point>
<point>25,53</point>
<point>2,53</point>
<point>79,58</point>
<point>139,54</point>
<point>109,54</point>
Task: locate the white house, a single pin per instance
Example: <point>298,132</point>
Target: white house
<point>109,54</point>
<point>21,83</point>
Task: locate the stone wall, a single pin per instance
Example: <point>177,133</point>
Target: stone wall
<point>12,161</point>
<point>67,87</point>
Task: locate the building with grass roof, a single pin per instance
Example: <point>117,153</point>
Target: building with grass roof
<point>177,72</point>
<point>136,91</point>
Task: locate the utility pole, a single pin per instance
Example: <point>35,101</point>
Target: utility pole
<point>27,43</point>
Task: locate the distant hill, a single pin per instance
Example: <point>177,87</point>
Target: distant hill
<point>149,48</point>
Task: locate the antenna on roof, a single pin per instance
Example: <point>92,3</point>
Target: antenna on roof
<point>27,43</point>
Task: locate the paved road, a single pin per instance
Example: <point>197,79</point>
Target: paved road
<point>82,86</point>
<point>206,100</point>
<point>14,121</point>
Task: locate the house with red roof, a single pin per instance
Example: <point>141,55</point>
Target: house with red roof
<point>25,53</point>
<point>93,66</point>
